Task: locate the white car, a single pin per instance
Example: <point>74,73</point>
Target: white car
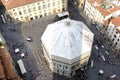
<point>107,52</point>
<point>112,77</point>
<point>101,72</point>
<point>22,54</point>
<point>96,47</point>
<point>17,50</point>
<point>103,57</point>
<point>30,39</point>
<point>92,63</point>
<point>102,46</point>
<point>3,18</point>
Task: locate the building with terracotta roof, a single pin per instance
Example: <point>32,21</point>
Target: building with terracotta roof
<point>67,46</point>
<point>105,14</point>
<point>26,10</point>
<point>116,2</point>
<point>100,10</point>
<point>92,12</point>
<point>113,32</point>
<point>2,74</point>
<point>7,70</point>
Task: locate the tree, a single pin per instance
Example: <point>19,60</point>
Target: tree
<point>1,44</point>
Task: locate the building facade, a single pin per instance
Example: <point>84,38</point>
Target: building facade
<point>93,14</point>
<point>106,16</point>
<point>7,69</point>
<point>67,46</point>
<point>113,33</point>
<point>26,10</point>
<point>99,11</point>
<point>80,3</point>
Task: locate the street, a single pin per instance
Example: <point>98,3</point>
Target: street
<point>104,57</point>
<point>14,39</point>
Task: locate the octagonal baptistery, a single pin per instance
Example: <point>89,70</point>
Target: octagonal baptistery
<point>67,46</point>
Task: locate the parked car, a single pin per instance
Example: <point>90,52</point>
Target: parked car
<point>29,39</point>
<point>101,72</point>
<point>102,46</point>
<point>3,19</point>
<point>113,77</point>
<point>17,50</point>
<point>22,55</point>
<point>96,47</point>
<point>97,27</point>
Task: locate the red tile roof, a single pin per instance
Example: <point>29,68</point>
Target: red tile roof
<point>16,3</point>
<point>97,1</point>
<point>114,9</point>
<point>103,11</point>
<point>118,29</point>
<point>116,21</point>
<point>106,22</point>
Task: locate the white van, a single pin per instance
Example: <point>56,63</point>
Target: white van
<point>21,66</point>
<point>63,15</point>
